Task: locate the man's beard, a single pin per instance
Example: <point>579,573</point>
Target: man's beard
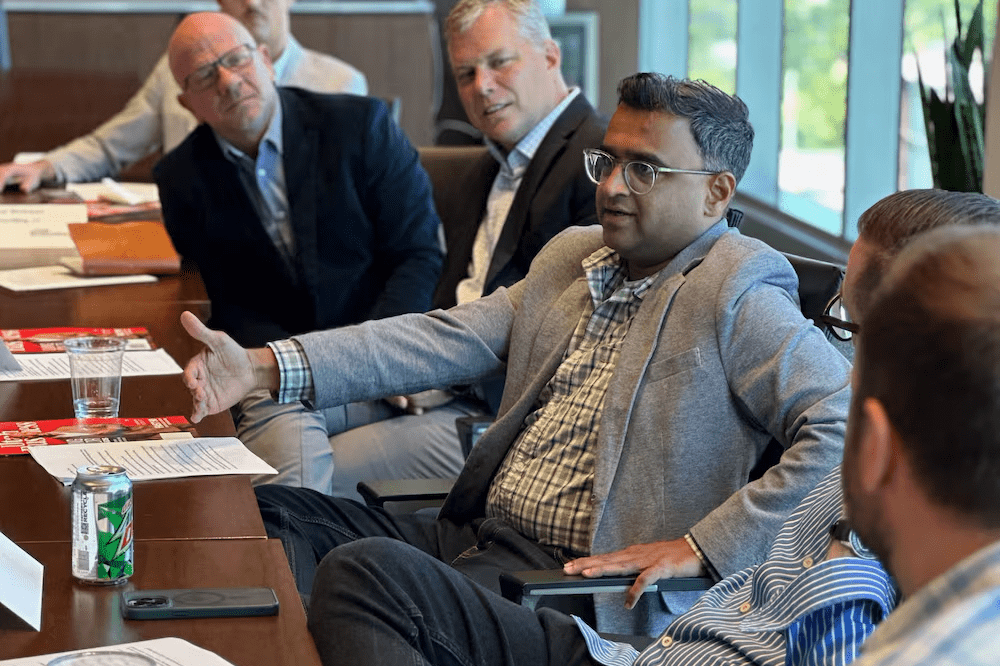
<point>863,509</point>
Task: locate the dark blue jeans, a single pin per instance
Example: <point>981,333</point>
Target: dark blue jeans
<point>311,524</point>
<point>381,601</point>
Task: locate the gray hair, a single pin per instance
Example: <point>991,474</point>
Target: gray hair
<point>528,13</point>
<point>720,123</point>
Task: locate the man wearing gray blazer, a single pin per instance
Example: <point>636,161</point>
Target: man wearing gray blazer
<point>496,215</point>
<point>648,364</point>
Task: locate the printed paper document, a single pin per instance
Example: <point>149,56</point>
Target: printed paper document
<point>154,459</point>
<point>56,366</point>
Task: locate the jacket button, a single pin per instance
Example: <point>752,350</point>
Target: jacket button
<point>807,562</point>
<point>745,607</point>
<point>666,641</point>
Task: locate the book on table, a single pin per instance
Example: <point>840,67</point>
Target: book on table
<point>123,248</point>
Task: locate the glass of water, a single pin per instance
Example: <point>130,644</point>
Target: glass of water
<point>95,364</point>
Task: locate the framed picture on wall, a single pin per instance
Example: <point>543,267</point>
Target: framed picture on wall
<point>579,40</point>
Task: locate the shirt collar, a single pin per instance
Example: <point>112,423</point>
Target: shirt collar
<point>971,576</point>
<point>606,273</point>
<point>271,136</point>
<point>605,269</point>
<point>524,151</point>
<point>288,59</point>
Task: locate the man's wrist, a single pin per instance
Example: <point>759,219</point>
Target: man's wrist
<point>265,369</point>
<point>710,570</point>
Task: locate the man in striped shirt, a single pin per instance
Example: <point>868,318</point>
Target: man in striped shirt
<point>922,459</point>
<point>813,601</point>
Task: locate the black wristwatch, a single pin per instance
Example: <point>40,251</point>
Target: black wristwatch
<point>842,531</point>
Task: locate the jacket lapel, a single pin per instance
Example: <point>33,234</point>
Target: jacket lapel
<point>300,138</point>
<point>549,151</point>
<point>221,181</point>
<point>636,353</point>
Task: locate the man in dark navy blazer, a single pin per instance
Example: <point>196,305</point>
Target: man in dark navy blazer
<point>497,213</point>
<point>302,211</point>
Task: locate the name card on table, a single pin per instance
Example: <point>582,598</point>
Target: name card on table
<point>20,588</point>
<point>37,234</point>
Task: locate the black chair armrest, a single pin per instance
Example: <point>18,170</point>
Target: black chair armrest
<point>527,587</point>
<point>377,493</point>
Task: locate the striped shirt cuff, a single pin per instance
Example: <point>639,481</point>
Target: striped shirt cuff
<point>296,375</point>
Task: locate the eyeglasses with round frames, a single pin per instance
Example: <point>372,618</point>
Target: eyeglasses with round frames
<point>837,320</point>
<point>207,75</point>
<point>639,176</point>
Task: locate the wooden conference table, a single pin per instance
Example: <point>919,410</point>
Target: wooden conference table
<point>200,532</point>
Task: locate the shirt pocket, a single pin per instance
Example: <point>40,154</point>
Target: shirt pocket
<point>670,366</point>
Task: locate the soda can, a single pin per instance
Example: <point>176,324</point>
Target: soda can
<point>102,525</point>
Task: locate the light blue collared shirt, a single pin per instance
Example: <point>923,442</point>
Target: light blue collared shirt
<point>264,181</point>
<point>513,165</point>
<point>953,621</point>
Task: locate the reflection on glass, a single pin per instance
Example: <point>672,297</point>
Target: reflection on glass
<point>712,43</point>
<point>929,29</point>
<point>813,110</point>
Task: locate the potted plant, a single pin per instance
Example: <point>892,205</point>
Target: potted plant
<point>955,121</point>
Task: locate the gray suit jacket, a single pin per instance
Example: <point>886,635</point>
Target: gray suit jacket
<point>716,361</point>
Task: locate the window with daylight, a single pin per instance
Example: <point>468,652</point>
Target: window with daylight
<point>831,86</point>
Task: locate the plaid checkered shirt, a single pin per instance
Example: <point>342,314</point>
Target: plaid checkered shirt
<point>544,486</point>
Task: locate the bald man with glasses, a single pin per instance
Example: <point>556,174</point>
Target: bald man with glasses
<point>301,210</point>
<point>153,120</point>
<point>649,362</point>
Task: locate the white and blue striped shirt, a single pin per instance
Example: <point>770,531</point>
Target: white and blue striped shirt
<point>954,619</point>
<point>798,607</point>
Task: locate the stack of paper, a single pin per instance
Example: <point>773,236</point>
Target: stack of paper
<point>163,652</point>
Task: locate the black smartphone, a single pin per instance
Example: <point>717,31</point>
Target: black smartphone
<point>198,602</point>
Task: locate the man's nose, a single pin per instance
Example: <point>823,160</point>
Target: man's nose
<point>229,80</point>
<point>485,82</point>
<point>614,184</point>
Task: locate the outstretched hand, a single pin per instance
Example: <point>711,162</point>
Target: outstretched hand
<point>652,561</point>
<point>220,375</point>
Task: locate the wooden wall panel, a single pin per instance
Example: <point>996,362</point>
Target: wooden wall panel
<point>40,110</point>
<point>393,50</point>
<point>89,42</point>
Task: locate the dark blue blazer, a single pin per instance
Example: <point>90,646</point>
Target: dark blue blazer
<point>555,193</point>
<point>361,211</point>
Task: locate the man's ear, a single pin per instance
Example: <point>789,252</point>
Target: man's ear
<point>553,56</point>
<point>879,452</point>
<point>183,100</point>
<point>719,192</point>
